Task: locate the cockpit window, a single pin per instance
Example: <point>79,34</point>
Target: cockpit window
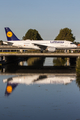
<point>71,43</point>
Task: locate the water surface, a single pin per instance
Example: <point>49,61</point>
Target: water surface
<point>39,97</point>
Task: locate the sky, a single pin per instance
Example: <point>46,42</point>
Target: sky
<point>46,16</point>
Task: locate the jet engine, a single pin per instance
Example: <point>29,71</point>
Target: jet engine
<point>51,49</point>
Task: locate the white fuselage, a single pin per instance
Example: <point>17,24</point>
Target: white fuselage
<point>35,79</point>
<point>37,44</point>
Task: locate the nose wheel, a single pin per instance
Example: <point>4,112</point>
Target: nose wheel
<point>41,50</point>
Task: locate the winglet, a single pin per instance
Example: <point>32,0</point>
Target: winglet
<point>10,35</point>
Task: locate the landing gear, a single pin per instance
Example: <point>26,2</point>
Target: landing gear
<point>41,50</point>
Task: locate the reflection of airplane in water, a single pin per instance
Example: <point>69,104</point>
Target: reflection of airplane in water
<point>35,79</point>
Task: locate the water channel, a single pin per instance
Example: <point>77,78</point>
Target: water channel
<point>39,96</point>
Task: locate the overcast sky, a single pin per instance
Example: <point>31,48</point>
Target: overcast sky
<point>46,16</point>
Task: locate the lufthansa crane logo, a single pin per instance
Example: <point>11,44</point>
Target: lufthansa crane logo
<point>9,89</point>
<point>9,34</point>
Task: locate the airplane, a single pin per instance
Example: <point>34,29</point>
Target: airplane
<point>49,45</point>
<point>13,82</point>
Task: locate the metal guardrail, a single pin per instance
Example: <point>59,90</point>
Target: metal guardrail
<point>4,49</point>
<point>41,54</point>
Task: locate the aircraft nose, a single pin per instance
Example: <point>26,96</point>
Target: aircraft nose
<point>75,46</point>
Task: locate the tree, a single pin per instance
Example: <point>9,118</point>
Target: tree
<point>32,34</point>
<point>59,61</point>
<point>1,42</point>
<point>65,34</point>
<point>35,61</point>
<point>78,67</point>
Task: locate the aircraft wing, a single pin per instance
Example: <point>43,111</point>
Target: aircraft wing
<point>41,46</point>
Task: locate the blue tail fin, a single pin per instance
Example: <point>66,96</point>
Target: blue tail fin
<point>10,35</point>
<point>10,88</point>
